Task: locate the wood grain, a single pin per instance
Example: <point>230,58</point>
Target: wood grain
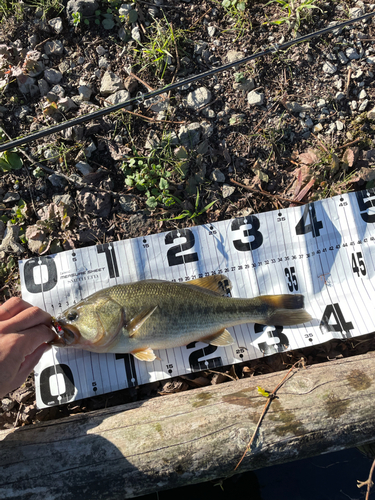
<point>194,436</point>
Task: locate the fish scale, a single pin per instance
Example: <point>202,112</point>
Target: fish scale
<point>154,314</point>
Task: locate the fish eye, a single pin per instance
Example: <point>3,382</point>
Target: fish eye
<point>72,316</point>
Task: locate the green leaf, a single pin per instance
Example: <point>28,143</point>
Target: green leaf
<point>151,202</point>
<point>262,392</point>
<point>133,16</point>
<point>163,184</point>
<point>87,22</point>
<point>226,4</point>
<point>108,24</point>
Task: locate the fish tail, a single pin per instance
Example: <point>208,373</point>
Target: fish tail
<point>286,310</point>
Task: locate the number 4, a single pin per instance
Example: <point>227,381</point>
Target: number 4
<point>360,266</point>
<point>314,226</point>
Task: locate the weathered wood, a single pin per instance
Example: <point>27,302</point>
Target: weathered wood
<point>130,450</point>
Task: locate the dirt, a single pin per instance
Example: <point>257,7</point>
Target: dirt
<point>258,147</point>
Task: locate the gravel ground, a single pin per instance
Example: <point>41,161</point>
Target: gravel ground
<point>291,127</point>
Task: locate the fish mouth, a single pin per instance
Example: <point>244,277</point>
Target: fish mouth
<point>66,335</point>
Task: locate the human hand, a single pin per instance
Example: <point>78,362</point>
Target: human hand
<point>24,331</point>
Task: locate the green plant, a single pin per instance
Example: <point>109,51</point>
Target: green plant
<point>234,5</point>
<point>193,214</point>
<point>163,42</point>
<point>149,176</point>
<point>9,160</point>
<point>295,10</point>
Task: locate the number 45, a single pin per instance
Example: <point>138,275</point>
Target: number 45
<point>360,265</point>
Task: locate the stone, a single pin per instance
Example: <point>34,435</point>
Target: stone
<point>339,125</point>
<point>85,7</point>
<point>317,128</point>
<point>329,68</point>
<point>362,94</point>
<point>57,181</point>
<point>234,55</point>
<point>211,30</point>
<point>371,60</point>
<point>136,34</point>
<point>54,47</point>
<point>227,190</point>
<point>342,57</point>
<point>67,199</point>
<point>11,197</point>
<point>217,176</point>
<point>255,98</point>
<point>64,66</point>
<point>90,149</point>
<point>339,96</point>
<point>128,203</point>
<point>124,9</point>
<point>189,135</point>
<point>66,104</point>
<point>84,168</point>
<point>43,87</point>
<point>152,140</point>
<point>52,76</point>
<point>198,98</point>
<point>110,84</point>
<point>56,24</point>
<point>100,50</point>
<point>97,204</point>
<point>245,85</point>
<point>157,103</point>
<point>352,53</point>
<point>371,114</point>
<point>26,84</point>
<point>356,12</point>
<point>117,98</point>
<point>363,105</point>
<point>10,242</point>
<point>84,92</point>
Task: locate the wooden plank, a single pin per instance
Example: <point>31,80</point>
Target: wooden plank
<point>185,438</point>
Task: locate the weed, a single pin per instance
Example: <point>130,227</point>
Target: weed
<point>9,160</point>
<point>150,176</point>
<point>295,10</point>
<point>234,6</point>
<point>193,214</point>
<point>162,43</point>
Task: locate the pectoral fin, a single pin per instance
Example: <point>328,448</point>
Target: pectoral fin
<point>135,323</point>
<point>218,283</point>
<point>145,354</point>
<point>220,339</point>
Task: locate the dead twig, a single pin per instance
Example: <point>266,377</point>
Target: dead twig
<point>349,143</point>
<point>270,398</point>
<point>265,193</point>
<point>368,481</point>
<point>150,119</point>
<point>347,87</point>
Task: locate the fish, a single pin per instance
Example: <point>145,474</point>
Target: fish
<point>149,315</point>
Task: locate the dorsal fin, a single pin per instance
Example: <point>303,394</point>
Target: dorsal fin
<point>218,283</point>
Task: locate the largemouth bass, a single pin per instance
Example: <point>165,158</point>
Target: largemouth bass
<point>139,317</point>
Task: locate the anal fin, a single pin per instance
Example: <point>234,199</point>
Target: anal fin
<point>221,339</point>
<point>135,323</point>
<point>145,354</point>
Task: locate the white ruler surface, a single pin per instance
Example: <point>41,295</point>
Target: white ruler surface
<point>324,250</point>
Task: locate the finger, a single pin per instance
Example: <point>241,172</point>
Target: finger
<point>24,343</point>
<point>12,307</point>
<point>28,318</point>
<point>28,365</point>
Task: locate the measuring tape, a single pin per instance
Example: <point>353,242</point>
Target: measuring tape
<point>323,250</point>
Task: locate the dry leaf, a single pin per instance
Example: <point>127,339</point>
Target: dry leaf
<point>350,156</point>
<point>308,158</point>
<point>364,175</point>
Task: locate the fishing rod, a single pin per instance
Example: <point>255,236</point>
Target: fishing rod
<point>172,86</point>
